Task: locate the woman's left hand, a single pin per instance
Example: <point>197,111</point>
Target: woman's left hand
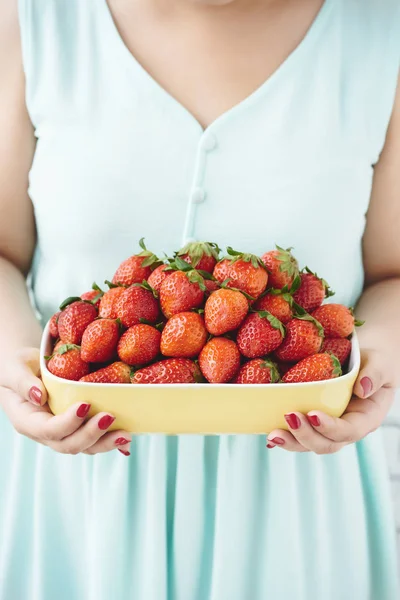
<point>320,433</point>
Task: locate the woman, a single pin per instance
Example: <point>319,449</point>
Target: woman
<point>245,121</point>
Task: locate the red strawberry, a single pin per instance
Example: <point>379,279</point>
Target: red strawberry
<point>312,291</point>
<point>247,273</point>
<point>94,295</point>
<point>281,266</point>
<point>340,347</point>
<point>201,255</point>
<point>279,305</point>
<point>100,340</point>
<point>137,268</point>
<point>135,304</point>
<point>211,286</point>
<point>258,370</point>
<point>74,319</point>
<point>67,363</point>
<point>260,334</point>
<point>336,319</point>
<point>184,335</point>
<point>107,306</point>
<point>180,292</point>
<point>117,372</point>
<point>157,277</point>
<point>304,336</point>
<point>171,370</point>
<point>53,325</point>
<point>219,360</point>
<point>317,367</point>
<point>225,310</point>
<point>221,270</point>
<point>283,367</point>
<point>139,345</point>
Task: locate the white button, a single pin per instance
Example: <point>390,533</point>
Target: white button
<point>198,195</point>
<point>209,142</point>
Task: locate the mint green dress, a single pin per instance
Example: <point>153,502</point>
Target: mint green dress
<point>117,158</point>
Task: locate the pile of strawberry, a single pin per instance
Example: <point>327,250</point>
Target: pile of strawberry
<point>195,317</point>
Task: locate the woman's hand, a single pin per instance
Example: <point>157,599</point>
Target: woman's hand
<point>318,432</point>
<point>23,398</point>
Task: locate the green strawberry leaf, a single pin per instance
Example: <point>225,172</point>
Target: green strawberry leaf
<point>206,275</point>
<point>181,265</point>
<point>307,317</point>
<point>48,357</point>
<point>264,314</point>
<point>298,310</point>
<point>69,301</point>
<point>97,288</point>
<point>337,368</point>
<point>359,323</point>
<point>295,285</point>
<point>142,244</point>
<point>268,364</point>
<point>66,348</point>
<point>195,277</point>
<point>112,285</point>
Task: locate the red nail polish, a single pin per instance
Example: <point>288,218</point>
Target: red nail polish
<point>270,445</point>
<point>121,441</point>
<point>83,410</point>
<point>366,385</point>
<point>313,420</point>
<point>293,421</point>
<point>35,394</point>
<point>105,422</point>
<point>278,441</point>
<point>124,452</point>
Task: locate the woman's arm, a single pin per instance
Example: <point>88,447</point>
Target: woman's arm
<point>18,326</point>
<point>379,305</point>
<point>22,394</point>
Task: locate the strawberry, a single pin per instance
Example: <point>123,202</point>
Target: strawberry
<point>340,347</point>
<point>201,255</point>
<point>312,291</point>
<point>181,292</point>
<point>157,277</point>
<point>247,273</point>
<point>283,367</point>
<point>219,360</point>
<point>221,270</point>
<point>258,370</point>
<point>74,319</point>
<point>225,310</point>
<point>211,286</point>
<point>135,304</point>
<point>137,268</point>
<point>336,319</point>
<point>304,336</point>
<point>100,340</point>
<point>94,295</point>
<point>67,363</point>
<point>171,370</point>
<point>278,304</point>
<point>184,335</point>
<point>260,334</point>
<point>107,306</point>
<point>139,345</point>
<point>53,325</point>
<point>318,367</point>
<point>282,267</point>
<point>117,372</point>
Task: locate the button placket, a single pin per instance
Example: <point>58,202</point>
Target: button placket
<point>198,194</point>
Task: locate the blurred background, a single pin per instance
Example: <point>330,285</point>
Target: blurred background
<point>391,432</point>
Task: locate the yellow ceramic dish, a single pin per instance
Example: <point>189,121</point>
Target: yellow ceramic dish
<point>201,408</point>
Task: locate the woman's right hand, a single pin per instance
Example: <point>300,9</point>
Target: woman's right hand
<point>23,398</point>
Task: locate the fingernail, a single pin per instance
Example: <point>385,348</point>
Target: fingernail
<point>313,420</point>
<point>121,441</point>
<point>270,445</point>
<point>278,441</point>
<point>124,452</point>
<point>35,394</point>
<point>83,410</point>
<point>105,422</point>
<point>293,421</point>
<point>366,385</point>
